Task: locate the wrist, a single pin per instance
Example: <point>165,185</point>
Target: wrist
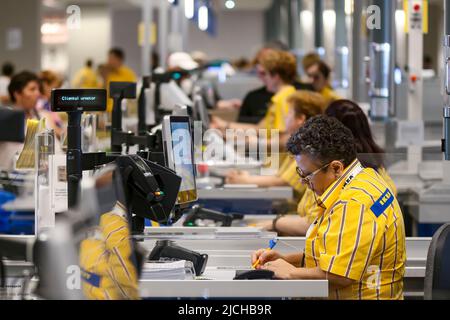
<point>274,223</point>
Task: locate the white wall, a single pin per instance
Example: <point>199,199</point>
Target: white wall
<point>239,34</point>
<point>93,40</point>
<point>25,16</point>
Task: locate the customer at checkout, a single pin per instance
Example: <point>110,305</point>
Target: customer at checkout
<point>368,152</point>
<point>359,231</point>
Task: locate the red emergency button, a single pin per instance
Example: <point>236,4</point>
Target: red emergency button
<point>416,7</point>
<point>413,78</point>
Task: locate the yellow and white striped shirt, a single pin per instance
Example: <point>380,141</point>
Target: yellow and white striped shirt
<point>107,260</point>
<point>359,234</point>
<point>307,206</point>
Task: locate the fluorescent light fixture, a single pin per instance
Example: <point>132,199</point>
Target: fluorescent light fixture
<point>349,7</point>
<point>400,17</point>
<point>171,1</point>
<point>189,8</point>
<point>306,18</point>
<point>230,4</point>
<point>203,18</point>
<point>329,17</point>
<point>50,28</point>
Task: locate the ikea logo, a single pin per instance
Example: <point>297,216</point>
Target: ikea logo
<point>382,203</point>
<point>91,278</point>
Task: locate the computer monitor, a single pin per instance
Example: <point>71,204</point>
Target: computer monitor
<point>78,100</point>
<point>179,155</point>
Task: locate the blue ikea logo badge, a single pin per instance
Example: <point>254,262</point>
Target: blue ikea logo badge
<point>382,203</point>
<point>91,278</point>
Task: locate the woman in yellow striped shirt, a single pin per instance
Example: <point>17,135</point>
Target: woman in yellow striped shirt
<point>357,241</point>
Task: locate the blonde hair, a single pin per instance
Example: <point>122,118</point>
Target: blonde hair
<point>281,63</point>
<point>307,103</point>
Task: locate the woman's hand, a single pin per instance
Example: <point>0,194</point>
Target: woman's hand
<point>265,256</point>
<point>237,177</point>
<point>283,270</point>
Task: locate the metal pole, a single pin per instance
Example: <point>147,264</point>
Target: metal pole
<point>342,53</point>
<point>381,60</point>
<point>295,24</point>
<point>415,81</point>
<point>184,27</point>
<point>358,75</point>
<point>163,32</point>
<point>318,27</point>
<point>147,18</point>
<point>176,41</point>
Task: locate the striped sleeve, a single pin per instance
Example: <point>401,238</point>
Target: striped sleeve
<point>349,241</point>
<point>307,206</point>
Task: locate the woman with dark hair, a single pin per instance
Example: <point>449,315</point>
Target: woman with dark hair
<point>368,153</point>
<point>353,117</point>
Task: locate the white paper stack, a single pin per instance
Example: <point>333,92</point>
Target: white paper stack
<point>166,270</point>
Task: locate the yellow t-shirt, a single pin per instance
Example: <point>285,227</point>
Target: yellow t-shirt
<point>86,78</point>
<point>275,118</point>
<point>288,173</point>
<point>330,95</point>
<point>123,74</point>
<point>360,235</point>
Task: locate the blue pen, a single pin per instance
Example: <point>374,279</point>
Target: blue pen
<point>272,245</point>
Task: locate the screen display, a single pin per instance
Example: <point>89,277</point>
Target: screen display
<point>71,100</point>
<point>183,159</point>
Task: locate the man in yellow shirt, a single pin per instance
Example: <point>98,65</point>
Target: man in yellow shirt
<point>319,73</point>
<point>118,72</point>
<point>357,241</point>
<point>86,77</point>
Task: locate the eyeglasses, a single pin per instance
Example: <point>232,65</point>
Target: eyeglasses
<point>306,179</point>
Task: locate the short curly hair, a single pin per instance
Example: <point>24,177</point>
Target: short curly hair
<point>324,139</point>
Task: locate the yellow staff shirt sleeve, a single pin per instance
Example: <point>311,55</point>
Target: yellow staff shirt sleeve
<point>350,237</point>
<point>307,207</point>
<point>390,183</point>
<point>275,118</point>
